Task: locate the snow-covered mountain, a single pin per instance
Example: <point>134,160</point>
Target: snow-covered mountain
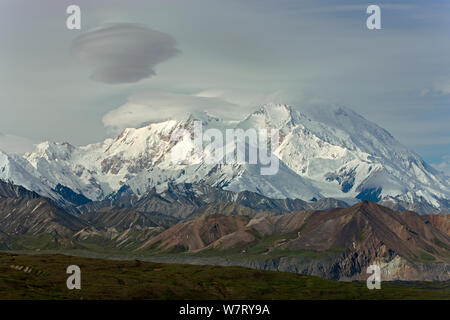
<point>348,156</point>
<point>323,152</point>
<point>12,171</point>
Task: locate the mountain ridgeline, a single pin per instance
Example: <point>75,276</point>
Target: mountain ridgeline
<point>324,152</point>
<point>10,190</point>
<point>183,200</point>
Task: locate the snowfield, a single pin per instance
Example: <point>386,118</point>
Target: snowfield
<point>323,152</point>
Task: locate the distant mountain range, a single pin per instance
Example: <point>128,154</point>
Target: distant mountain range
<point>205,225</point>
<point>324,152</point>
<point>182,200</point>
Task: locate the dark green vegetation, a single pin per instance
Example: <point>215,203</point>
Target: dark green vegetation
<point>106,279</point>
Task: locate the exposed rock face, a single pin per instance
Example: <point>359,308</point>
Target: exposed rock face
<point>36,216</point>
<point>70,196</point>
<point>439,221</point>
<point>123,219</point>
<point>196,234</point>
<point>396,269</point>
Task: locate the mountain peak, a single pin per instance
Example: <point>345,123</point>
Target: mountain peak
<point>271,115</point>
<point>53,150</point>
<point>367,205</point>
<point>275,110</point>
<point>203,116</point>
<point>271,107</point>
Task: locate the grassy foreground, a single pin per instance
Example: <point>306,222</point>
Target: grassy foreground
<point>108,279</point>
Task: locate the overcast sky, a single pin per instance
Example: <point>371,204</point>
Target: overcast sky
<point>140,61</point>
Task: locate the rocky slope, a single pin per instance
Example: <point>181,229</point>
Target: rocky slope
<point>336,244</point>
<point>196,234</point>
<point>20,216</point>
<point>441,221</point>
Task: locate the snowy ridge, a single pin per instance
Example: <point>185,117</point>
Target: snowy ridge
<point>12,171</point>
<point>324,152</point>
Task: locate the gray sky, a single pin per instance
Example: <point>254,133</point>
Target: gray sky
<point>223,56</point>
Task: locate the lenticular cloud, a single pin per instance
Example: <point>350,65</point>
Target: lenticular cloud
<point>123,53</point>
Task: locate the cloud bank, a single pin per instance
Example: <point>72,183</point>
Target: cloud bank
<point>154,106</point>
<point>444,166</point>
<point>123,53</point>
<point>159,106</point>
<point>15,144</point>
